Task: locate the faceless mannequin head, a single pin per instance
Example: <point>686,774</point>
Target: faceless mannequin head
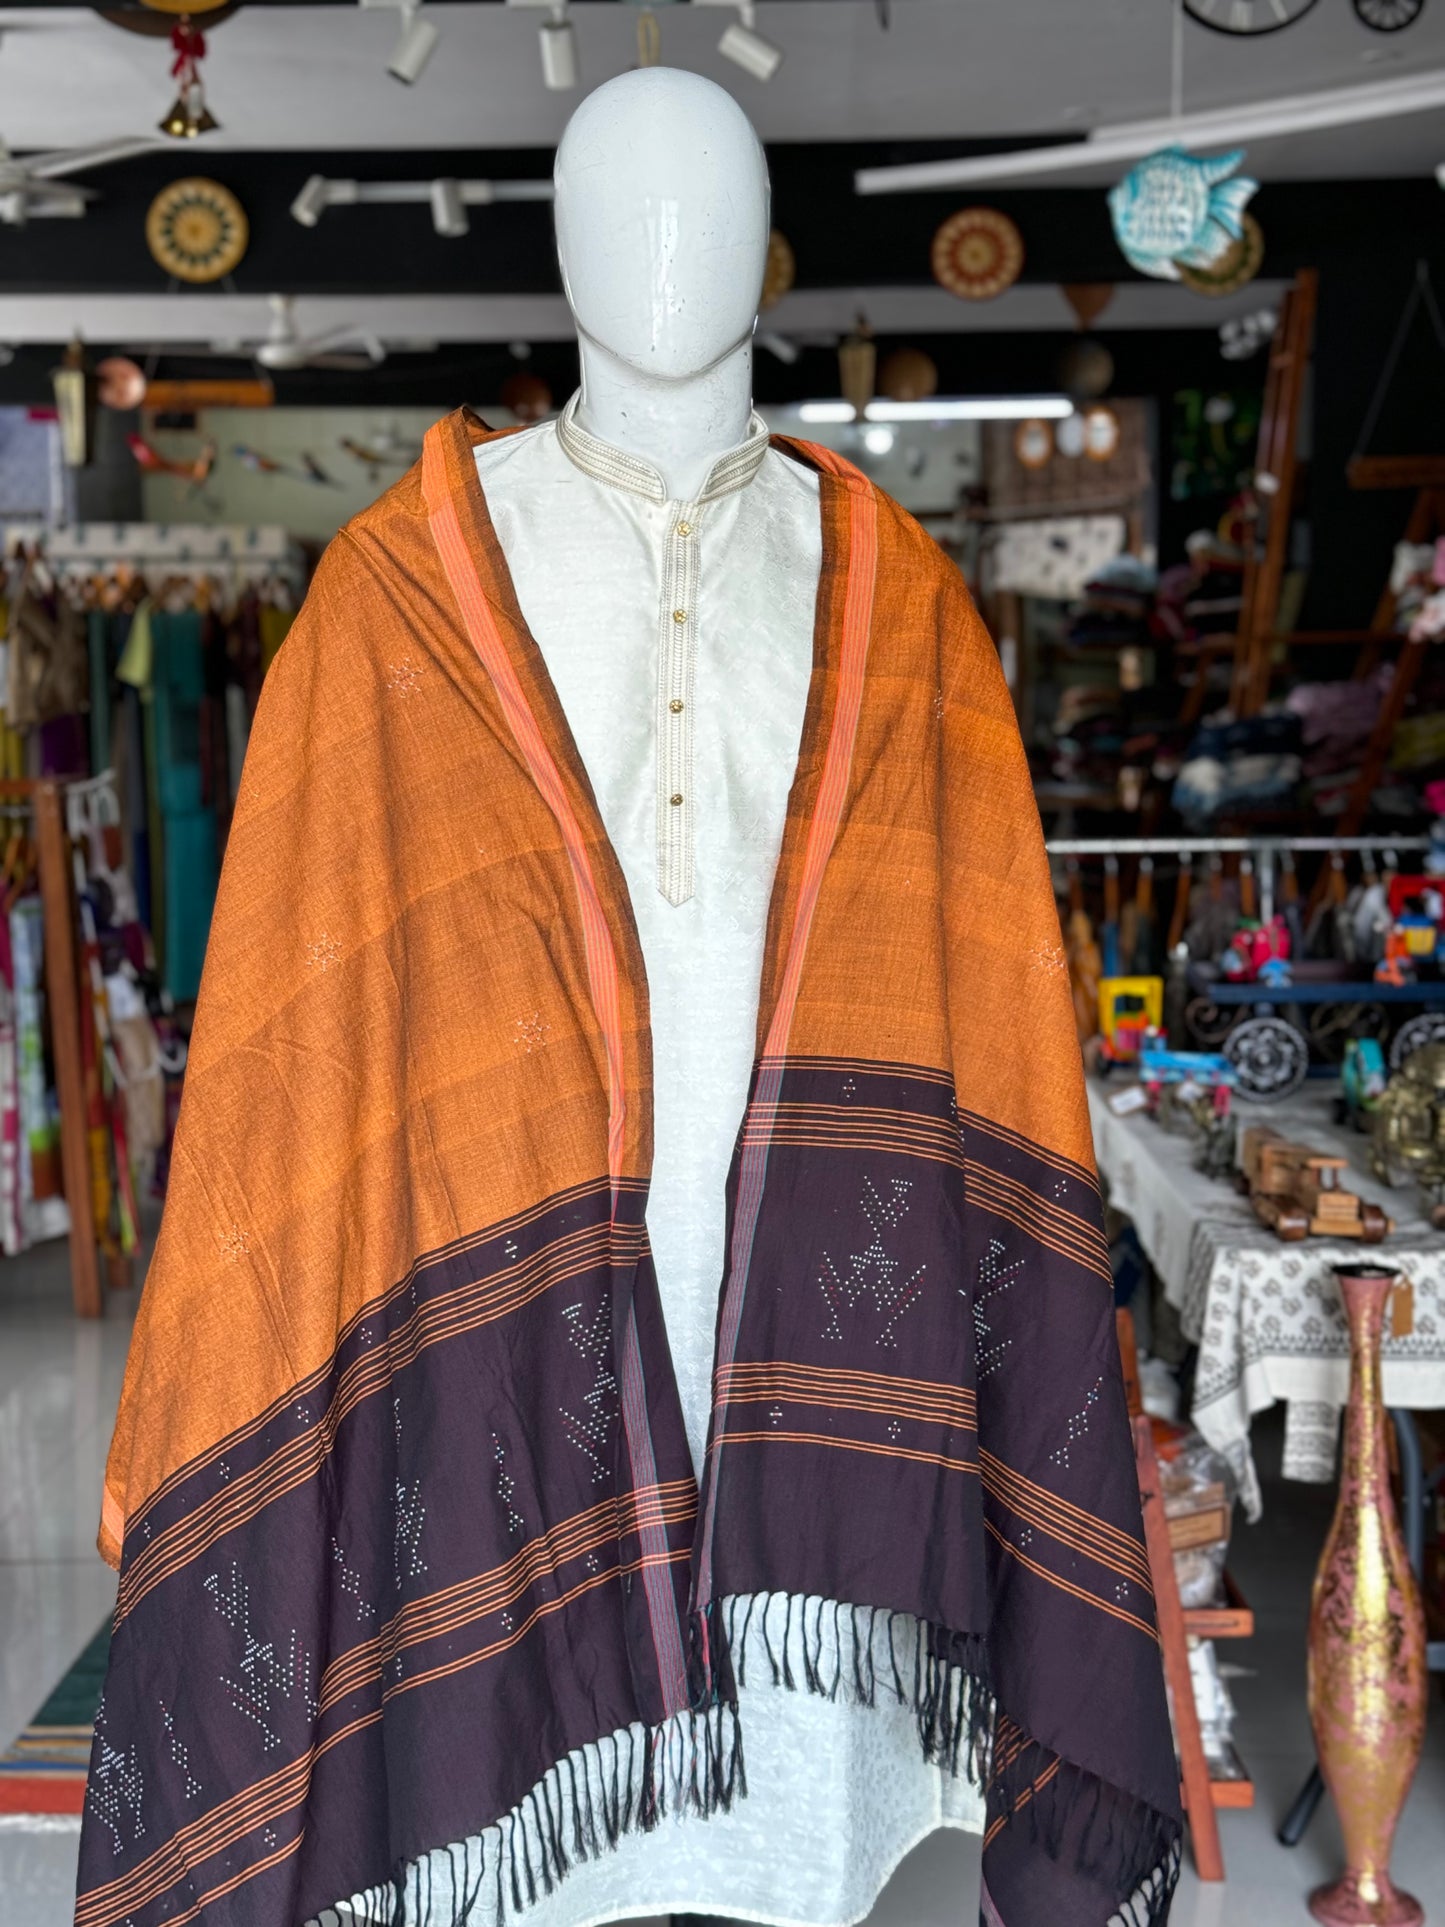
<point>662,221</point>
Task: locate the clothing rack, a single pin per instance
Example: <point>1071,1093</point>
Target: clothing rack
<point>46,799</point>
<point>235,551</point>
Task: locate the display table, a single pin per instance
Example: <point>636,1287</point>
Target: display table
<point>1266,1316</point>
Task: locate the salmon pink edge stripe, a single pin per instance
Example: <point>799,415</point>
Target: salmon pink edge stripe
<point>822,832</point>
<point>602,978</point>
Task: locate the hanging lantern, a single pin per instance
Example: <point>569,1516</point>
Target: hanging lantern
<point>780,270</point>
<point>908,375</point>
<point>1085,369</point>
<point>857,365</point>
<point>188,115</point>
<point>527,396</point>
<point>74,389</point>
<point>1088,299</point>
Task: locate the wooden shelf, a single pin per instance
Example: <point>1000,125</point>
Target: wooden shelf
<point>1233,1620</point>
<point>1232,1793</point>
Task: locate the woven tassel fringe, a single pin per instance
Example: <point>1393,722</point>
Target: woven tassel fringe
<point>579,1810</point>
<point>858,1653</point>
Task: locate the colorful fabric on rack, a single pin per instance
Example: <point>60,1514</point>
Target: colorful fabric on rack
<point>178,688</point>
<point>410,1545</point>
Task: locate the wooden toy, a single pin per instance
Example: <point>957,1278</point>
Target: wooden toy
<point>1297,1192</point>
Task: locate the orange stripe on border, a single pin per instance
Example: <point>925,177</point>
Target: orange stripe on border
<point>485,638</point>
<point>603,983</point>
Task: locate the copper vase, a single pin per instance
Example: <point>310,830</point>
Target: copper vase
<point>1367,1680</point>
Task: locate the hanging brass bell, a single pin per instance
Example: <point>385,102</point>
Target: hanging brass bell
<point>189,115</point>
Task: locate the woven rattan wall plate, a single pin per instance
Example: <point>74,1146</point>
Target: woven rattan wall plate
<point>977,253</point>
<point>196,229</point>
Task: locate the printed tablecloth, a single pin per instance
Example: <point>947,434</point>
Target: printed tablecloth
<point>1266,1316</point>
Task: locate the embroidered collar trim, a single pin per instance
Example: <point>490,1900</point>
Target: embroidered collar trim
<point>604,463</point>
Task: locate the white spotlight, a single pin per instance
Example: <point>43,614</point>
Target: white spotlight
<point>448,213</point>
<point>878,441</point>
<point>746,47</point>
<point>414,48</point>
<point>559,52</point>
<point>311,203</point>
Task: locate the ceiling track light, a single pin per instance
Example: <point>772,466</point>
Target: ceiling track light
<point>558,39</point>
<point>743,44</point>
<point>415,44</point>
<point>448,199</point>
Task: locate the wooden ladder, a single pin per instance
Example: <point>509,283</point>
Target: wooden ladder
<point>1234,1620</point>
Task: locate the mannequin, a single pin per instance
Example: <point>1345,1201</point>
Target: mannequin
<point>662,213</point>
<point>599,746</point>
<point>662,266</point>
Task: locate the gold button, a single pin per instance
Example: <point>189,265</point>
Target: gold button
<point>676,705</point>
<point>679,615</point>
<point>676,798</point>
<point>684,528</point>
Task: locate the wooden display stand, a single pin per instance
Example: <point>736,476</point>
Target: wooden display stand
<point>1234,1620</point>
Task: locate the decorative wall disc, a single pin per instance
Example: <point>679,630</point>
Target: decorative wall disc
<point>1033,443</point>
<point>1101,434</point>
<point>977,253</point>
<point>779,270</point>
<point>196,229</point>
<point>1238,265</point>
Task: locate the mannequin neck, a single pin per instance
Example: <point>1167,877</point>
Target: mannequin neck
<point>681,427</point>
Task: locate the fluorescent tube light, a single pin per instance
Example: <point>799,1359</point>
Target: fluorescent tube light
<point>956,408</point>
<point>1213,127</point>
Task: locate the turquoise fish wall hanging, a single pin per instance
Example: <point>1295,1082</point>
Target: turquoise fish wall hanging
<point>1175,207</point>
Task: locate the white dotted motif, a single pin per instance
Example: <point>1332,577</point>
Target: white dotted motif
<point>403,678</point>
<point>1077,1426</point>
<point>895,1430</point>
<point>349,1579</point>
<point>323,953</point>
<point>532,1033</point>
<point>873,1271</point>
<point>115,1790</point>
<point>1047,957</point>
<point>590,1432</point>
<point>410,1515</point>
<point>993,1278</point>
<point>507,1488</point>
<point>269,1674</point>
<point>775,1414</point>
<point>234,1244</point>
<point>180,1757</point>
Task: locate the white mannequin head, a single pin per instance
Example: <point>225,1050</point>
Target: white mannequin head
<point>662,222</point>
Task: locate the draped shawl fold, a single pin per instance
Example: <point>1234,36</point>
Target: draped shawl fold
<point>410,1547</point>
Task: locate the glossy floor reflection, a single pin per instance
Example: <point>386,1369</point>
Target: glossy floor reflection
<point>59,1383</point>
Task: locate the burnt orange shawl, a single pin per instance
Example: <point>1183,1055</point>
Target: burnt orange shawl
<point>399,1489</point>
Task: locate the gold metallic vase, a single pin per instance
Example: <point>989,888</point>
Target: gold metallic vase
<point>1367,1680</point>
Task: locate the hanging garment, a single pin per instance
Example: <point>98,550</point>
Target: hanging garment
<point>189,820</point>
<point>411,1550</point>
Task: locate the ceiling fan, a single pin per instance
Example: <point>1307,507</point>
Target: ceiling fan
<point>32,188</point>
<point>284,349</point>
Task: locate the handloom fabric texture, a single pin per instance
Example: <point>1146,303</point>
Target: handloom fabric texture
<point>409,1540</point>
<point>602,561</point>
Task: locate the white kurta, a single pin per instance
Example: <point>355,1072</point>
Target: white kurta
<point>679,637</point>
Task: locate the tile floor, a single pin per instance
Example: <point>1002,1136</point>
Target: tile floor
<point>59,1382</point>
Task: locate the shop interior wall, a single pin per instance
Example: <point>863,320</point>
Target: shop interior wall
<point>1365,238</point>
